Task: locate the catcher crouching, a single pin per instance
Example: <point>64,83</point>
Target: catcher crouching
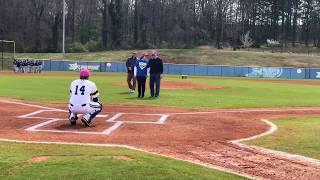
<point>83,99</point>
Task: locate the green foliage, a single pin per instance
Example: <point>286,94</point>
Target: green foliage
<point>75,48</point>
<point>295,135</point>
<point>92,46</point>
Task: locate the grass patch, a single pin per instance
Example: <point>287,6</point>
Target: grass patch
<point>295,135</point>
<point>235,94</point>
<point>201,55</point>
<point>75,162</point>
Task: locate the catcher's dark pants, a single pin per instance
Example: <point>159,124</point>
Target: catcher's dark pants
<point>131,80</point>
<point>155,85</point>
<point>141,85</point>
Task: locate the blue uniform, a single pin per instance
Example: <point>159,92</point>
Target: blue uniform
<point>141,72</point>
<point>141,67</point>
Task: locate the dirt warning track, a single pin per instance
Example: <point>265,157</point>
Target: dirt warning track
<point>208,137</point>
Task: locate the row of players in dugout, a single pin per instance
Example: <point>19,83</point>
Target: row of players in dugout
<point>27,66</point>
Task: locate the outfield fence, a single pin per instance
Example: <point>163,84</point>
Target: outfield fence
<point>191,69</point>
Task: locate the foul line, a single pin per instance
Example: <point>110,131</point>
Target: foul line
<point>273,128</point>
<point>245,110</point>
<point>187,113</point>
<point>36,112</point>
<point>30,105</point>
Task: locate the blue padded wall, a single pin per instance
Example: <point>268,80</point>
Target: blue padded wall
<point>198,70</point>
<point>214,71</point>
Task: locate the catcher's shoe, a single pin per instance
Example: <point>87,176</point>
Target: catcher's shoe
<point>73,121</point>
<point>86,122</point>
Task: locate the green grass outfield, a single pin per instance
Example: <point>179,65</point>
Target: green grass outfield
<point>78,162</point>
<point>295,135</point>
<point>235,94</point>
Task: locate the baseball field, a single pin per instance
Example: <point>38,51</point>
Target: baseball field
<point>200,128</point>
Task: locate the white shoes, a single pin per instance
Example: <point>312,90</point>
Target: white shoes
<point>131,91</point>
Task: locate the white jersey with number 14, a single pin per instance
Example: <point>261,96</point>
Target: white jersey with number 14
<point>81,92</point>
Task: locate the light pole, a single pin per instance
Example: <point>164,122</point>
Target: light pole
<point>63,28</point>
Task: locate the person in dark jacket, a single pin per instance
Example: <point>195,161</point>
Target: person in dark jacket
<point>131,80</point>
<point>141,73</point>
<point>156,70</point>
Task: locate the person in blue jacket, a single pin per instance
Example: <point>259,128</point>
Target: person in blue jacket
<point>141,73</point>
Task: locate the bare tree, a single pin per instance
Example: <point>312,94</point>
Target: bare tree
<point>246,40</point>
<point>103,7</point>
<point>37,11</point>
<point>35,24</point>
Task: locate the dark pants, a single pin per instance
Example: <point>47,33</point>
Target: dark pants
<point>141,85</point>
<point>131,81</point>
<point>155,85</point>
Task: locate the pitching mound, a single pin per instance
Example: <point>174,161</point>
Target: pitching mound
<point>178,85</point>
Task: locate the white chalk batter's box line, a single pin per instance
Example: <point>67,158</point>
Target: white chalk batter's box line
<point>114,119</point>
<point>117,118</point>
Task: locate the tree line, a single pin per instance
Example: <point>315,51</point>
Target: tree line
<point>93,25</point>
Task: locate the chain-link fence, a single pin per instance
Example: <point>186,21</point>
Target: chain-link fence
<point>7,54</point>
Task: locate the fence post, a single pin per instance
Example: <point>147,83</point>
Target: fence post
<point>2,49</point>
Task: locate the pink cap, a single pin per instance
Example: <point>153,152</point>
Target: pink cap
<point>154,53</point>
<point>84,73</point>
<point>144,54</point>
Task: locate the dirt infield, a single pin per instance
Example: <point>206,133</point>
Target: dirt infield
<point>202,137</point>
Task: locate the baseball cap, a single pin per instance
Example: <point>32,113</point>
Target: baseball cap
<point>154,53</point>
<point>84,73</point>
<point>144,54</point>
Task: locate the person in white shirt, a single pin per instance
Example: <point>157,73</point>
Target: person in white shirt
<point>83,99</point>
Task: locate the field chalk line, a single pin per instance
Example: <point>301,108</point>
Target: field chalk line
<point>30,105</point>
<point>273,128</point>
<point>246,111</point>
<point>109,131</point>
<point>187,113</point>
<point>112,128</point>
<point>35,127</point>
